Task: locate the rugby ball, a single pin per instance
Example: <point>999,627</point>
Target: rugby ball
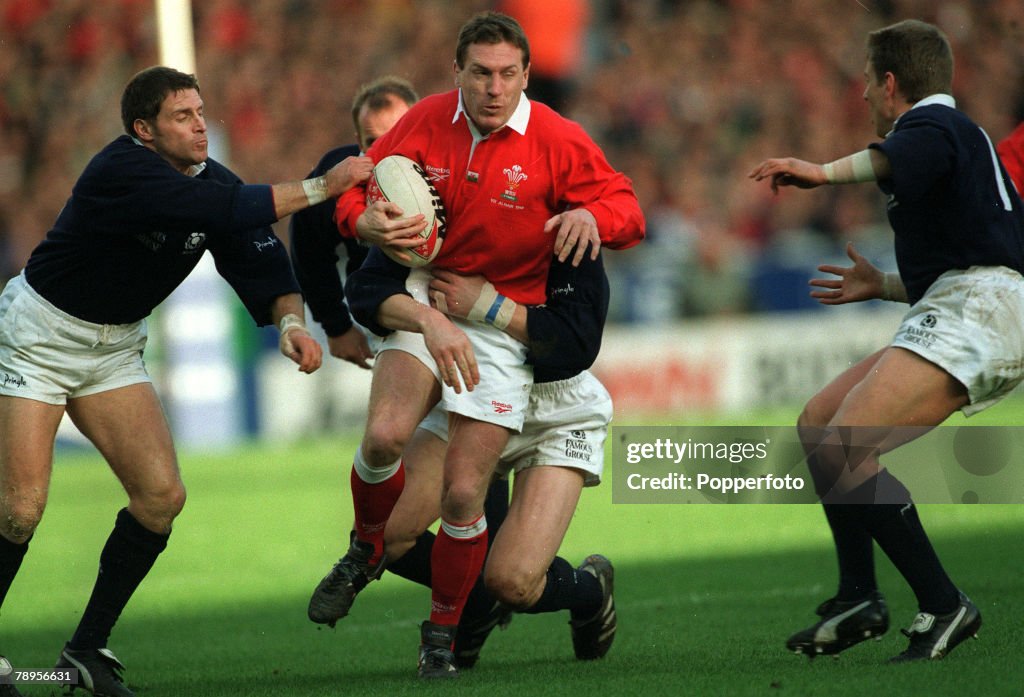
<point>402,181</point>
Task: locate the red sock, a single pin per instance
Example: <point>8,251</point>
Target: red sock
<point>373,504</point>
<point>456,562</point>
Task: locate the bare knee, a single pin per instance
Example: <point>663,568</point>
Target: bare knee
<point>21,517</point>
<point>382,444</point>
<point>817,413</point>
<point>513,585</point>
<point>156,508</point>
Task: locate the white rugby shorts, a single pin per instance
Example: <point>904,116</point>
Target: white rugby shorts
<point>49,356</point>
<point>971,324</point>
<point>505,379</point>
<point>566,425</point>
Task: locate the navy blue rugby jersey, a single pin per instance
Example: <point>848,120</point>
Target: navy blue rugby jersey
<point>951,203</point>
<point>134,228</point>
<point>565,333</point>
<point>314,245</point>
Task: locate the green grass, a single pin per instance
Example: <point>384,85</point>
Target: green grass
<point>706,594</point>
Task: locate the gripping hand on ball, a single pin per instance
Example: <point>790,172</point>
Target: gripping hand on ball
<point>383,224</point>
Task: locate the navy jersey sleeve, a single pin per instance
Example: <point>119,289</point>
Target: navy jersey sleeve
<point>371,284</point>
<point>255,263</point>
<point>921,152</point>
<point>314,243</point>
<point>127,187</point>
<point>565,333</point>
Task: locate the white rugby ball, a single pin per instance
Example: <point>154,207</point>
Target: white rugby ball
<point>402,181</point>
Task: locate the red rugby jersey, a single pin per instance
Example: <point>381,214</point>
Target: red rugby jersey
<point>1011,152</point>
<point>499,194</point>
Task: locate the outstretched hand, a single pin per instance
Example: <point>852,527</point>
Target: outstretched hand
<point>862,281</point>
<point>789,171</point>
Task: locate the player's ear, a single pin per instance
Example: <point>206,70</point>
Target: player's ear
<point>142,130</point>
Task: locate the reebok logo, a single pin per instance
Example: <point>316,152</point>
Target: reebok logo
<point>501,407</point>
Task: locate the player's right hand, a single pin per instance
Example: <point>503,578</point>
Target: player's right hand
<point>451,349</point>
<point>347,173</point>
<point>789,171</point>
<point>383,224</point>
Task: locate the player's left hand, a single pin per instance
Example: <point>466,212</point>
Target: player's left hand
<point>303,349</point>
<point>351,346</point>
<point>862,281</point>
<point>576,228</point>
<point>454,294</point>
<point>789,171</point>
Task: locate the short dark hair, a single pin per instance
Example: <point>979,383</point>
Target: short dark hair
<point>918,54</point>
<point>377,95</point>
<point>491,28</point>
<point>145,92</point>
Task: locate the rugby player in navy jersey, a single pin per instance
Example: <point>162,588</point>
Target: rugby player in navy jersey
<point>559,451</point>
<point>959,240</point>
<point>314,235</point>
<point>72,331</point>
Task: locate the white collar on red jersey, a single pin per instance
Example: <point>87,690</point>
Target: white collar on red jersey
<point>518,122</point>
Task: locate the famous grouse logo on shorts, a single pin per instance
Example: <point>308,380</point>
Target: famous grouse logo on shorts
<point>194,242</point>
<point>501,407</point>
<point>515,176</point>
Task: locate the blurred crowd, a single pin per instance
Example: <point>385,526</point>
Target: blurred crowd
<point>685,96</point>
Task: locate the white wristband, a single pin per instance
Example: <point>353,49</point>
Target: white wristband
<point>289,323</point>
<point>315,189</point>
<point>852,169</point>
<point>888,282</point>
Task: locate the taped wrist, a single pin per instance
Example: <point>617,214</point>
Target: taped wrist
<point>287,324</point>
<point>852,169</point>
<point>888,285</point>
<point>492,307</point>
<point>315,190</point>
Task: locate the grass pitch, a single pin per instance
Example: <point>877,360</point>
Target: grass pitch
<point>706,594</point>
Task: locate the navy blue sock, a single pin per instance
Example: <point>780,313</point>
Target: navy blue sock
<point>11,555</point>
<point>126,558</point>
<point>854,550</point>
<point>495,508</point>
<point>414,565</point>
<point>568,589</point>
<point>898,531</point>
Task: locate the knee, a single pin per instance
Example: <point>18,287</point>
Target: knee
<point>461,502</point>
<point>816,414</point>
<point>21,517</point>
<point>513,586</point>
<point>157,507</point>
<point>382,445</point>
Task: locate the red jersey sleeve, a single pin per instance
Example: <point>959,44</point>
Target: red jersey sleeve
<point>1011,152</point>
<point>592,183</point>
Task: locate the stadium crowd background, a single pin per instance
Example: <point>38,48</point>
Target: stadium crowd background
<point>685,96</point>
